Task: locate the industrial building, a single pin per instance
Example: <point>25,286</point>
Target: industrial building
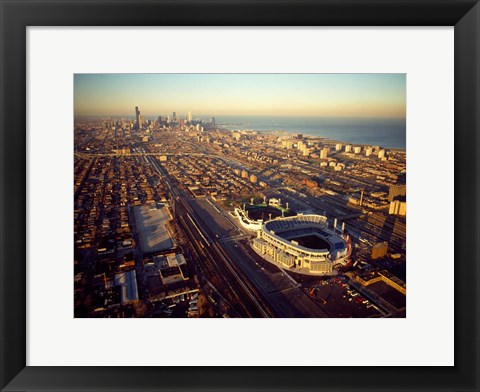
<point>398,207</point>
<point>371,277</point>
<point>379,250</point>
<point>396,190</point>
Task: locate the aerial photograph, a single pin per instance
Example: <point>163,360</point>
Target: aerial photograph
<point>239,195</point>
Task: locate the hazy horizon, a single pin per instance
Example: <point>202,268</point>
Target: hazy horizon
<point>209,116</point>
<point>285,95</point>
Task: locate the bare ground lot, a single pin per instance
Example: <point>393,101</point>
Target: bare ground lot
<point>152,229</point>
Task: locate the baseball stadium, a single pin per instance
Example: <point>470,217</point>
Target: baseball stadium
<point>302,243</point>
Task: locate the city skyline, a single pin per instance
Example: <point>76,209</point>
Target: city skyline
<point>310,95</point>
<point>277,213</point>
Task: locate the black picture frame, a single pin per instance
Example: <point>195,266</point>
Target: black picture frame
<point>16,15</point>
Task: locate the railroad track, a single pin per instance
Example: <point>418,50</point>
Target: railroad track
<point>212,266</point>
<point>211,262</point>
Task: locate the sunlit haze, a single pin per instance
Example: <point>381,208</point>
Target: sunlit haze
<point>341,95</point>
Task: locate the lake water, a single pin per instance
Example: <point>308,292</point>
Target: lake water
<point>384,132</point>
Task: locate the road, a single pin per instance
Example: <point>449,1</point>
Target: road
<point>212,263</point>
<point>281,293</point>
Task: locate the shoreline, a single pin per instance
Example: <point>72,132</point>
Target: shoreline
<point>311,137</point>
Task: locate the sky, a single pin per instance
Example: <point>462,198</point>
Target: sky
<point>322,95</point>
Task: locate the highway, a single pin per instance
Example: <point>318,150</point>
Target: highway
<point>213,263</point>
<point>243,283</point>
<point>282,294</point>
<point>249,289</point>
<point>236,296</point>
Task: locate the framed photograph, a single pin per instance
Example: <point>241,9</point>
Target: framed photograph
<point>201,196</point>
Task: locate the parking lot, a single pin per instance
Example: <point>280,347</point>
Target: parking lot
<point>338,299</point>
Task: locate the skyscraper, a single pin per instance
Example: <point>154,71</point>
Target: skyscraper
<point>324,153</point>
<point>137,118</point>
<point>174,117</point>
<point>189,117</point>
